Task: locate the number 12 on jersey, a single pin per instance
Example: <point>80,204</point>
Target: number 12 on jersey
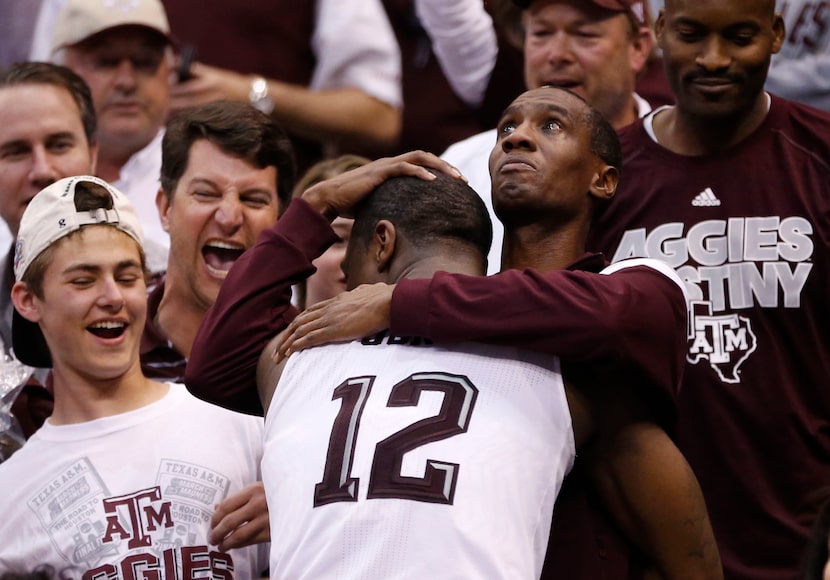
<point>385,480</point>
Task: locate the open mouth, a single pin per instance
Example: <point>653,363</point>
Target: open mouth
<point>220,256</point>
<point>562,84</point>
<point>107,329</point>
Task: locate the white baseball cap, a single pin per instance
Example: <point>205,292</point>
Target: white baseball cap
<point>51,215</point>
<point>80,19</point>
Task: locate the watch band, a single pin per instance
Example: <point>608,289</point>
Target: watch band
<point>258,96</point>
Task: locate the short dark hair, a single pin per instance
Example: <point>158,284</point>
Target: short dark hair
<point>427,213</point>
<point>45,73</point>
<point>605,143</point>
<point>236,128</point>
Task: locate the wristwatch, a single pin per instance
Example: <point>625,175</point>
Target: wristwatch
<point>259,97</point>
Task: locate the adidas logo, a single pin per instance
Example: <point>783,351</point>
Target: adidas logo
<point>706,198</point>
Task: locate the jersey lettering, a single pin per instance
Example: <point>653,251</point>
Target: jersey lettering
<point>438,483</point>
<point>337,484</point>
<point>807,30</point>
<point>386,481</point>
<point>384,338</point>
<point>727,266</point>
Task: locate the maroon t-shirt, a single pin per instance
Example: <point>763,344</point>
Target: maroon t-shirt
<point>159,358</point>
<point>748,230</point>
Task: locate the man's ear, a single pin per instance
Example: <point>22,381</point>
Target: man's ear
<point>604,184</point>
<point>25,302</point>
<point>93,157</point>
<point>163,206</point>
<point>385,238</point>
<point>641,47</point>
<point>659,25</point>
<point>779,31</point>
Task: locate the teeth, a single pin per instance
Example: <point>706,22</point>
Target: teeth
<point>107,325</point>
<point>225,245</point>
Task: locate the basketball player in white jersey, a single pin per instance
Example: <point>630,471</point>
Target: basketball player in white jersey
<point>392,458</point>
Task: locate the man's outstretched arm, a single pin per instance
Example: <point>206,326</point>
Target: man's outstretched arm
<point>633,318</point>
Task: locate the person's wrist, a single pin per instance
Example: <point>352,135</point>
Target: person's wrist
<point>259,97</point>
<point>315,197</point>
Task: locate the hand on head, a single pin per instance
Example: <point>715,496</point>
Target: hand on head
<point>339,195</point>
<point>348,316</point>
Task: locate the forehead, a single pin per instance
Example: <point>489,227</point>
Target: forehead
<point>548,100</point>
<point>208,160</point>
<point>575,10</point>
<point>96,246</point>
<point>720,12</point>
<point>29,111</point>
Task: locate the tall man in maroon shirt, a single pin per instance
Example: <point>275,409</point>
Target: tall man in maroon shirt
<point>731,187</point>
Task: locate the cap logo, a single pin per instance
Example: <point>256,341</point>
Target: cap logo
<point>122,5</point>
<point>18,253</point>
<point>62,223</point>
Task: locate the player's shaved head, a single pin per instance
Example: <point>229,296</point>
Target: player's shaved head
<point>767,5</point>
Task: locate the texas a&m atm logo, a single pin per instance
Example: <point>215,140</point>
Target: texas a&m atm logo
<point>145,513</point>
<point>158,548</point>
<point>732,269</point>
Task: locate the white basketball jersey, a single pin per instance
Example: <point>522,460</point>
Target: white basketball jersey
<point>410,461</point>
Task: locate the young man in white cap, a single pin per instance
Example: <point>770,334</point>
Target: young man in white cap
<point>122,480</point>
<point>123,52</point>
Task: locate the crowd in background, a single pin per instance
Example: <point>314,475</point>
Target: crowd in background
<point>230,132</point>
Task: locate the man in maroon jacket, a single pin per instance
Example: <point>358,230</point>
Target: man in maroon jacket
<point>532,132</point>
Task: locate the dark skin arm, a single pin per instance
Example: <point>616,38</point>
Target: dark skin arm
<point>644,481</point>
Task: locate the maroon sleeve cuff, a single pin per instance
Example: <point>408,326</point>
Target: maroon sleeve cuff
<point>409,311</point>
<point>304,228</point>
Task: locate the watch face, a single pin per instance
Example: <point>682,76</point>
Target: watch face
<point>259,97</point>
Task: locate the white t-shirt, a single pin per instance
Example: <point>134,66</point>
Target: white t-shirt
<point>131,492</point>
<point>140,180</point>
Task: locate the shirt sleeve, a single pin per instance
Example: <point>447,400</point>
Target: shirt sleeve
<point>356,47</point>
<point>253,305</point>
<point>465,43</point>
<point>805,79</point>
<point>41,48</point>
<point>632,319</point>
